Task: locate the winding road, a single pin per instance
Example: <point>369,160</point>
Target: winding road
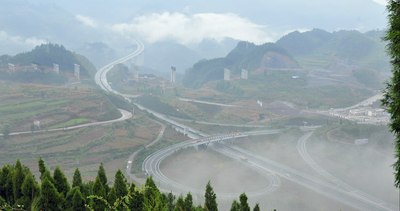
<point>151,165</point>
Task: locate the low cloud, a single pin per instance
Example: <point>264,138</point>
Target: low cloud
<point>189,29</point>
<point>17,40</point>
<point>87,21</point>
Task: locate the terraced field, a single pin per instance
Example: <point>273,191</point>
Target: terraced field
<point>53,106</point>
<point>84,148</point>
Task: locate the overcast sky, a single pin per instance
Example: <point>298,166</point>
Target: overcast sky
<point>184,21</point>
<point>253,20</point>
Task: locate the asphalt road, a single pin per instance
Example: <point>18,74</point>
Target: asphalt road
<point>206,102</point>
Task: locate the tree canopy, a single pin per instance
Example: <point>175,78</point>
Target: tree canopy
<point>392,92</point>
<point>19,189</point>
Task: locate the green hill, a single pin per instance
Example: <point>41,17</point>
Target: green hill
<point>44,56</point>
<point>304,43</point>
<point>245,56</point>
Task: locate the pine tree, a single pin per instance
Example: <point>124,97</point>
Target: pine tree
<point>392,92</point>
<point>101,174</point>
<point>18,179</point>
<point>77,179</point>
<point>152,196</point>
<point>210,199</point>
<point>78,202</point>
<point>188,202</point>
<point>30,190</point>
<point>136,199</point>
<point>180,204</point>
<point>244,206</point>
<point>136,202</point>
<point>151,191</point>
<point>256,208</point>
<point>42,167</point>
<point>98,188</point>
<point>120,185</point>
<point>47,175</point>
<point>6,184</point>
<point>99,191</point>
<point>49,196</point>
<point>235,206</point>
<point>170,201</point>
<point>60,181</point>
<point>132,188</point>
<point>112,196</point>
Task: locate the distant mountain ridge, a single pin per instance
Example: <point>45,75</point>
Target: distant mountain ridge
<point>244,56</point>
<point>350,45</point>
<point>348,50</point>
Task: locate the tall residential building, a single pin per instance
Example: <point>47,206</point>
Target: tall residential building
<point>227,74</point>
<point>77,71</point>
<point>56,68</point>
<point>244,74</point>
<point>173,75</point>
<point>11,67</point>
<point>135,71</point>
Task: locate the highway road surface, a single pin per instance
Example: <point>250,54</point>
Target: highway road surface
<point>101,75</point>
<point>206,102</point>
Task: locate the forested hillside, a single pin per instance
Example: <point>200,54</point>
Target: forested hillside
<point>37,65</point>
<point>245,56</point>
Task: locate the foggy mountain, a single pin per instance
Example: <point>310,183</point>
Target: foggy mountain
<point>244,56</point>
<point>351,50</point>
<point>27,23</point>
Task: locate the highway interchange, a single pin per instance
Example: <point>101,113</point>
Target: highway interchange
<point>327,184</point>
